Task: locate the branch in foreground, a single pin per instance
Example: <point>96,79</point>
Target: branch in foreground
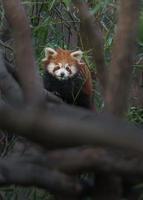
<point>83,128</point>
<point>30,162</point>
<point>122,57</point>
<point>26,71</point>
<point>80,160</point>
<point>94,35</point>
<point>29,174</point>
<point>97,159</point>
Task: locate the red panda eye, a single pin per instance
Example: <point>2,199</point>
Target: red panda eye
<point>57,67</point>
<point>68,69</point>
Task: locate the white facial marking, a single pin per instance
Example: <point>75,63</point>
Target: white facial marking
<point>73,70</point>
<point>66,65</point>
<point>50,68</point>
<point>60,65</point>
<point>62,74</point>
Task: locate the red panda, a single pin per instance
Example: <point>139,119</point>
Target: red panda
<point>68,77</point>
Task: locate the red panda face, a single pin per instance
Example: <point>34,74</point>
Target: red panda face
<point>61,71</point>
<point>62,64</point>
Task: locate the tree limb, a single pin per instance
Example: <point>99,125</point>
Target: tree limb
<point>89,159</point>
<point>122,57</point>
<point>92,31</point>
<point>25,63</point>
<point>30,162</point>
<point>80,160</point>
<point>53,130</point>
<point>29,174</point>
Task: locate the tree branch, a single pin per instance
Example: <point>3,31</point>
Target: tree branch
<point>29,174</point>
<point>29,162</point>
<point>122,57</point>
<point>92,31</point>
<point>25,63</point>
<point>53,130</point>
<point>87,159</point>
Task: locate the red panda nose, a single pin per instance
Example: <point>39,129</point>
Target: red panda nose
<point>62,74</point>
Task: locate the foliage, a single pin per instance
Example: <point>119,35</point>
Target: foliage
<point>49,21</point>
<point>136,115</point>
<point>17,193</point>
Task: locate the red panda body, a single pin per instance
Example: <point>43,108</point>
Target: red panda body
<point>68,77</point>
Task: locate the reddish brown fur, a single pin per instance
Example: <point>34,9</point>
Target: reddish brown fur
<point>63,55</point>
<point>88,80</point>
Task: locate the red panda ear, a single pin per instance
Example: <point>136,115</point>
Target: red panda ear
<point>77,55</point>
<point>49,52</point>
